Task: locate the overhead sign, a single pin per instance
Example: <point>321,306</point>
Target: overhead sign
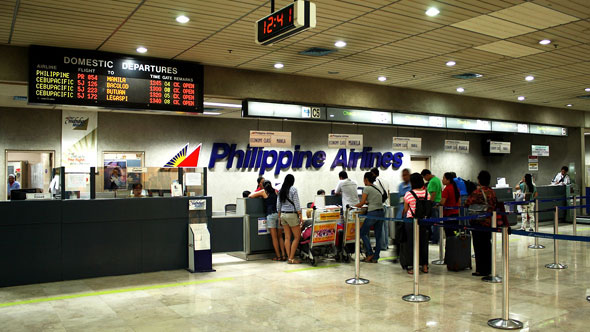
<point>499,147</point>
<point>417,120</point>
<point>359,116</point>
<point>469,124</point>
<point>285,22</point>
<point>345,141</point>
<point>252,108</point>
<point>279,139</point>
<point>540,150</point>
<point>92,78</point>
<point>456,146</point>
<point>407,143</point>
<point>547,130</point>
<point>510,127</point>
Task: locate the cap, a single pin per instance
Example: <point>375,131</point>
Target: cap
<point>12,175</point>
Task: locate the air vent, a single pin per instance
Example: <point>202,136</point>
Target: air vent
<point>584,97</point>
<point>467,76</point>
<point>317,51</point>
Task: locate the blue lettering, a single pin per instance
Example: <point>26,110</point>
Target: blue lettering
<point>281,164</point>
<point>233,153</point>
<point>340,159</point>
<point>397,160</point>
<point>386,159</point>
<point>265,164</point>
<point>318,159</point>
<point>215,155</point>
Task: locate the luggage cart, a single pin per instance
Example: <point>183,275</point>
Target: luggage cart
<point>349,233</point>
<point>319,238</point>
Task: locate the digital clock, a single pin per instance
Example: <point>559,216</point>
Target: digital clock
<point>287,21</point>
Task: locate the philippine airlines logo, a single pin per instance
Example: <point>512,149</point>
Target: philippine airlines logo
<point>185,159</point>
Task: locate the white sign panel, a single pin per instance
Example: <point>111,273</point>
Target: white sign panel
<point>533,167</point>
<point>407,143</point>
<point>338,141</point>
<point>540,150</point>
<point>278,139</point>
<point>262,230</point>
<point>456,146</point>
<point>78,140</point>
<point>499,147</point>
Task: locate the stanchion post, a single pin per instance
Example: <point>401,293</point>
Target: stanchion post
<point>575,217</point>
<point>493,278</point>
<point>416,296</point>
<point>505,323</point>
<point>441,247</point>
<point>357,280</point>
<point>536,245</point>
<point>556,265</point>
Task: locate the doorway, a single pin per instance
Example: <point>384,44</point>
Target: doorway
<point>418,163</point>
<point>32,169</point>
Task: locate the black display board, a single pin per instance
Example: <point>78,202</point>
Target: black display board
<point>91,78</point>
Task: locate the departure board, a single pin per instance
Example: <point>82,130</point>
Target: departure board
<point>91,78</point>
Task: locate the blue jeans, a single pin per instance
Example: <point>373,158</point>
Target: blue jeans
<point>385,238</point>
<point>378,232</point>
<point>435,230</point>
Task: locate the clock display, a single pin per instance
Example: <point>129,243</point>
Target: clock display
<point>276,23</point>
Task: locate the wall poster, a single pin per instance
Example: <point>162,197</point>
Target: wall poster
<point>79,140</point>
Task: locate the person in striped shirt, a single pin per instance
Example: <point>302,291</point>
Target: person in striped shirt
<point>289,210</point>
<point>419,190</point>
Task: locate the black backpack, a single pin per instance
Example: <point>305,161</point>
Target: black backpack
<point>424,206</point>
<point>383,193</point>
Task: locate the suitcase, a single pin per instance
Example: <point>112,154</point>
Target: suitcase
<point>458,252</point>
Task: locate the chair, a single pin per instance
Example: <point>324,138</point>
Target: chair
<point>231,208</point>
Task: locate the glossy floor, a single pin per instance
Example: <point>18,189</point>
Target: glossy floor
<point>271,296</point>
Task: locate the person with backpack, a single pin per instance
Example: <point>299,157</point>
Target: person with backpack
<point>269,196</point>
<point>372,197</point>
<point>451,197</point>
<point>529,191</point>
<point>383,186</point>
<point>289,210</point>
<point>481,201</point>
<point>416,205</point>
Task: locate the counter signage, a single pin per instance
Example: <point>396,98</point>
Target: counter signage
<point>540,150</point>
<point>92,78</point>
<point>500,147</point>
<point>283,111</point>
<point>345,141</point>
<point>456,146</point>
<point>279,139</point>
<point>547,130</point>
<point>360,116</point>
<point>417,120</point>
<point>510,127</point>
<point>469,124</point>
<point>407,143</point>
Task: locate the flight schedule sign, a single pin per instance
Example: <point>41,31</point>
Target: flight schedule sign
<point>92,78</point>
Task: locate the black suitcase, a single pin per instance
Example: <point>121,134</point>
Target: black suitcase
<point>458,252</point>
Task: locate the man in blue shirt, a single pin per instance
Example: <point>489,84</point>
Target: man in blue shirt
<point>403,188</point>
<point>12,184</point>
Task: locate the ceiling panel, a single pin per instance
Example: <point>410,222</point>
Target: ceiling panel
<point>6,14</point>
<point>534,16</point>
<point>510,49</point>
<point>493,26</point>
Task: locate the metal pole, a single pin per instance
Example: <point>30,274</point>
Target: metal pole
<point>536,245</point>
<point>575,217</point>
<point>357,280</point>
<point>493,278</point>
<point>441,247</point>
<point>416,296</point>
<point>556,265</point>
<point>505,323</point>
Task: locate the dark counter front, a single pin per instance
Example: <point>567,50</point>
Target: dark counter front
<point>47,241</point>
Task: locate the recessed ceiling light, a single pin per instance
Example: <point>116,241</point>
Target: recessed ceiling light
<point>521,98</point>
<point>211,113</point>
<point>569,105</point>
<point>340,43</point>
<point>460,89</point>
<point>432,12</point>
<point>141,49</point>
<point>382,78</point>
<point>208,103</point>
<point>279,65</point>
<point>478,75</point>
<point>182,19</point>
<point>587,89</point>
<point>451,63</point>
<point>545,42</point>
<point>529,78</point>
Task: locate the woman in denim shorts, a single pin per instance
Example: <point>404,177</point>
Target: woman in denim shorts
<point>269,194</point>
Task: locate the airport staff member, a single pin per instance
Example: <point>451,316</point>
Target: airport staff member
<point>12,184</point>
<point>562,179</point>
<point>348,190</point>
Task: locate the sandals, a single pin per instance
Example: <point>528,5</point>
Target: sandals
<point>410,271</point>
<point>283,258</point>
<point>277,259</point>
<point>369,259</point>
<point>425,269</point>
<point>294,261</point>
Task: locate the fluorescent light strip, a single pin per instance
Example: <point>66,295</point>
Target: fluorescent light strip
<point>222,105</point>
<point>211,113</point>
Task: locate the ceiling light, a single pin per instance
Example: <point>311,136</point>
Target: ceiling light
<point>521,98</point>
<point>211,113</point>
<point>182,19</point>
<point>340,43</point>
<point>382,78</point>
<point>545,42</point>
<point>207,103</point>
<point>141,49</point>
<point>432,12</point>
<point>451,63</point>
<point>478,75</point>
<point>460,89</point>
<point>529,78</point>
<point>279,65</point>
<point>587,89</point>
<point>569,105</point>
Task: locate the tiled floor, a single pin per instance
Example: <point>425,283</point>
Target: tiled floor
<point>261,296</point>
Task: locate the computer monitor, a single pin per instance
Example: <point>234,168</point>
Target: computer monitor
<point>21,194</point>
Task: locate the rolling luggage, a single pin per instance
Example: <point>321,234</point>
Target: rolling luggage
<point>458,252</point>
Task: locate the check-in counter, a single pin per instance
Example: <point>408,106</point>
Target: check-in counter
<point>506,195</point>
<point>255,243</point>
<point>552,192</point>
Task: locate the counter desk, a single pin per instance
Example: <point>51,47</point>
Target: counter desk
<point>53,240</point>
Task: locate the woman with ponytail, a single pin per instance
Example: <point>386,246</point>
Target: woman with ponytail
<point>451,197</point>
<point>529,190</point>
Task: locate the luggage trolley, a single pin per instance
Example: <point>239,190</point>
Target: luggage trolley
<point>319,238</point>
<point>349,233</point>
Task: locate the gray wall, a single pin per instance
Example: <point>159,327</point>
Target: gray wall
<point>161,136</point>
